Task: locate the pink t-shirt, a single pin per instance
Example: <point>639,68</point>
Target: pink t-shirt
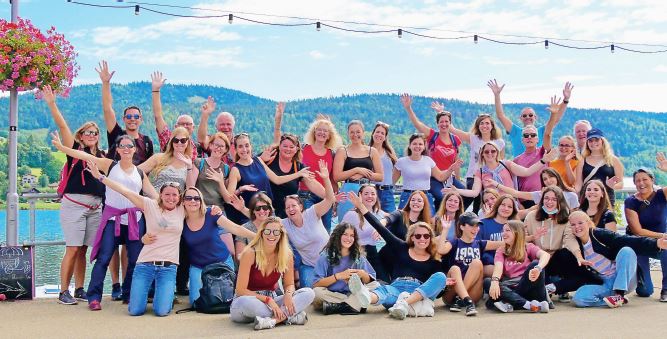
<point>505,175</point>
<point>513,269</point>
<point>532,182</point>
<point>443,155</point>
<point>167,227</point>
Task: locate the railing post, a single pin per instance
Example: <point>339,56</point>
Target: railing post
<point>33,219</point>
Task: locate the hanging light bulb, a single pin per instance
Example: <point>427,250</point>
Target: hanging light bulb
<point>475,37</point>
<point>400,33</point>
<point>231,18</point>
<point>136,9</point>
<point>318,25</point>
<point>546,44</point>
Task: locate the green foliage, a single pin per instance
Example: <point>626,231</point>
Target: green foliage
<point>43,181</point>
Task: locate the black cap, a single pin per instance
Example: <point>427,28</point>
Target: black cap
<point>469,218</point>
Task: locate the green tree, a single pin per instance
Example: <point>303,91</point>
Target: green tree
<point>23,170</point>
<point>43,180</point>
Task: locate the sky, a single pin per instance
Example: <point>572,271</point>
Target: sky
<point>286,63</point>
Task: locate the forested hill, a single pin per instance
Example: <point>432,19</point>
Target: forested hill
<point>635,136</point>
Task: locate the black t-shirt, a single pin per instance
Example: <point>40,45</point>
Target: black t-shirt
<point>81,181</point>
<point>396,225</point>
<point>281,191</point>
<point>607,217</point>
<point>143,144</point>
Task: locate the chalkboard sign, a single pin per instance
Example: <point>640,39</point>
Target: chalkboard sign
<point>16,272</point>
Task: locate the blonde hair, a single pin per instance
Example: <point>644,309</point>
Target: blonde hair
<point>168,154</point>
<point>85,126</point>
<point>334,141</point>
<point>584,215</point>
<point>517,250</point>
<point>607,152</point>
<point>571,140</point>
<point>283,251</point>
<point>202,205</point>
<point>432,248</point>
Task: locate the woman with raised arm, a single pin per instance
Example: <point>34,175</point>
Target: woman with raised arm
<point>464,263</point>
<point>380,141</point>
<point>416,270</point>
<point>548,178</point>
<point>646,214</point>
<point>417,168</point>
<point>614,258</point>
<point>260,207</point>
<point>599,162</point>
<point>321,140</point>
<point>368,237</point>
<point>158,258</point>
<point>489,197</point>
<point>443,145</point>
<point>595,202</point>
<point>568,158</point>
<point>305,230</point>
<point>121,221</point>
<point>250,174</point>
<point>81,205</point>
<point>504,209</point>
<point>355,164</point>
<point>341,265</point>
<point>450,210</point>
<point>267,259</point>
<point>174,165</point>
<point>501,171</point>
<point>518,274</point>
<point>200,234</point>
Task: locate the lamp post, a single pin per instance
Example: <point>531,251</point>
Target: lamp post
<point>12,194</point>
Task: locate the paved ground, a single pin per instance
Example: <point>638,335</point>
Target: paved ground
<point>44,318</point>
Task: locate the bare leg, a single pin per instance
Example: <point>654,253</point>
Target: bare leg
<point>113,267</point>
<point>67,267</point>
<point>473,280</point>
<point>459,286</point>
<point>80,266</point>
<point>413,298</point>
<point>488,271</point>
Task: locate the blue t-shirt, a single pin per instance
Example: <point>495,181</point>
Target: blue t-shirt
<point>322,270</point>
<point>205,246</point>
<point>463,253</point>
<point>490,229</point>
<point>516,135</point>
<point>652,217</point>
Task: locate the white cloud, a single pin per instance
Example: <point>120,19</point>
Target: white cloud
<point>660,68</point>
<point>575,78</point>
<point>317,55</point>
<point>426,51</point>
<point>178,55</point>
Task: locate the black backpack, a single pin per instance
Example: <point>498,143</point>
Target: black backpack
<point>217,290</point>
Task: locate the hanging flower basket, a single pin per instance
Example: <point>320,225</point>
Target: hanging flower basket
<point>30,59</point>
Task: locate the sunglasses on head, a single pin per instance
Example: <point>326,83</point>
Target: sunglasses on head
<point>128,146</point>
<point>132,116</point>
<point>490,151</point>
<point>529,115</point>
<point>172,184</point>
<point>179,140</point>
<point>419,236</point>
<point>192,198</point>
<point>267,231</point>
<point>90,133</point>
<point>530,135</point>
<point>262,208</point>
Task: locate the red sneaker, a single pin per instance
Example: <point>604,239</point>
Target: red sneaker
<point>614,301</point>
<point>94,305</point>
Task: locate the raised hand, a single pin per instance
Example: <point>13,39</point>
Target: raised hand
<point>555,105</point>
<point>456,165</point>
<point>305,173</point>
<point>55,140</point>
<point>248,188</point>
<point>567,91</point>
<point>208,107</point>
<point>446,223</point>
<point>216,210</point>
<point>550,156</point>
<point>157,80</point>
<point>103,72</point>
<point>406,100</point>
<point>280,109</point>
<point>571,155</point>
<point>662,161</point>
<point>540,232</point>
<point>48,95</point>
<point>269,154</point>
<point>323,172</point>
<point>612,181</point>
<point>438,107</point>
<point>354,199</point>
<point>182,158</point>
<point>237,202</point>
<point>495,88</point>
<point>214,175</point>
<point>341,197</point>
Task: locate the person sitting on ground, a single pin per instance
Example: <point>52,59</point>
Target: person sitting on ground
<point>595,202</point>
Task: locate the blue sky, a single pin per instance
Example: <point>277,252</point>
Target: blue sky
<point>284,63</point>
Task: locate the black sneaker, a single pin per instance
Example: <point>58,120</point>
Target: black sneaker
<point>456,305</point>
<point>116,292</point>
<point>663,296</point>
<point>66,298</point>
<point>564,298</point>
<point>338,308</point>
<point>470,308</point>
<point>80,294</point>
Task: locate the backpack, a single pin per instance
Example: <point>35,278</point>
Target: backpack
<point>65,174</point>
<point>434,138</point>
<point>217,292</point>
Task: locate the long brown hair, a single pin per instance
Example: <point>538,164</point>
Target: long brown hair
<point>603,205</point>
<point>516,251</point>
<point>563,209</point>
<point>425,214</point>
<point>374,209</point>
<point>442,209</point>
<point>386,145</point>
<point>495,131</point>
<point>501,198</point>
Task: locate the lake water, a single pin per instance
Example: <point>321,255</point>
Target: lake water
<point>47,258</point>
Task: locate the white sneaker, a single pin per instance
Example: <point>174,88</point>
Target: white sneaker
<point>264,323</point>
<point>422,308</point>
<point>399,310</point>
<point>359,290</point>
<point>503,307</point>
<point>300,318</point>
<point>544,307</point>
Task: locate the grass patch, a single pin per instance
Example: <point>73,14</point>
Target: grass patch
<point>36,171</point>
<point>60,156</point>
<point>39,205</point>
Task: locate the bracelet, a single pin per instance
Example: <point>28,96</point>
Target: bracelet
<point>495,279</point>
<point>538,267</point>
<point>543,162</point>
<point>102,177</point>
<point>267,299</point>
<point>497,184</point>
<point>156,91</point>
<point>335,277</point>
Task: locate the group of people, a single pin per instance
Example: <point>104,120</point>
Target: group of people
<point>314,221</point>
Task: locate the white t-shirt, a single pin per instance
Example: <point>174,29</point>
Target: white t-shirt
<point>167,226</point>
<point>309,239</point>
<point>416,174</point>
<point>476,144</point>
<point>131,181</point>
<point>366,233</point>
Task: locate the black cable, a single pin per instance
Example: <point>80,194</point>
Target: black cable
<point>637,51</point>
<point>577,47</point>
<point>436,37</point>
<point>273,23</point>
<point>510,43</point>
<point>102,6</point>
<point>357,30</point>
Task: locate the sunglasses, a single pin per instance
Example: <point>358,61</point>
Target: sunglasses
<point>132,116</point>
<point>382,123</point>
<point>172,184</point>
<point>529,115</point>
<point>565,146</point>
<point>530,135</point>
<point>179,140</point>
<point>262,208</point>
<point>90,133</point>
<point>192,198</point>
<point>419,236</point>
<point>490,151</point>
<point>128,146</point>
<point>269,232</point>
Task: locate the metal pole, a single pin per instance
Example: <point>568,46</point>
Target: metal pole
<point>12,195</point>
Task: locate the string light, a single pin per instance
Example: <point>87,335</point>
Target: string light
<point>147,6</point>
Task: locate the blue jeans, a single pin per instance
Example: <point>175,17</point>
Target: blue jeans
<point>108,245</point>
<point>165,283</point>
<point>309,199</point>
<point>624,279</point>
<point>306,275</point>
<point>436,189</point>
<point>344,206</point>
<point>195,279</point>
<point>406,195</point>
<point>387,201</point>
<point>644,283</point>
<point>388,294</point>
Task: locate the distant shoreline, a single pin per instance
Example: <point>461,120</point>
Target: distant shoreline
<point>40,205</point>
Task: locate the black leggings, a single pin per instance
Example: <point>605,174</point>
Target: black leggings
<point>518,293</point>
<point>563,265</point>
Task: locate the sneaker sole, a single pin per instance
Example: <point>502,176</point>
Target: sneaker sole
<point>454,310</point>
<point>396,313</point>
<point>356,286</point>
<point>503,309</point>
<point>68,303</point>
<point>470,314</point>
<point>610,304</point>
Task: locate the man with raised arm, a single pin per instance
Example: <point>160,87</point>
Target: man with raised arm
<point>224,123</point>
<point>527,117</point>
<point>132,119</point>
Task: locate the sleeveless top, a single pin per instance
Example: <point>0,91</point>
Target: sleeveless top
<point>259,282</point>
<point>204,245</point>
<point>170,174</point>
<point>311,160</point>
<point>81,181</point>
<point>209,188</point>
<point>131,181</point>
<point>365,162</point>
<point>253,174</point>
<point>605,171</point>
<point>288,188</point>
<point>387,168</point>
